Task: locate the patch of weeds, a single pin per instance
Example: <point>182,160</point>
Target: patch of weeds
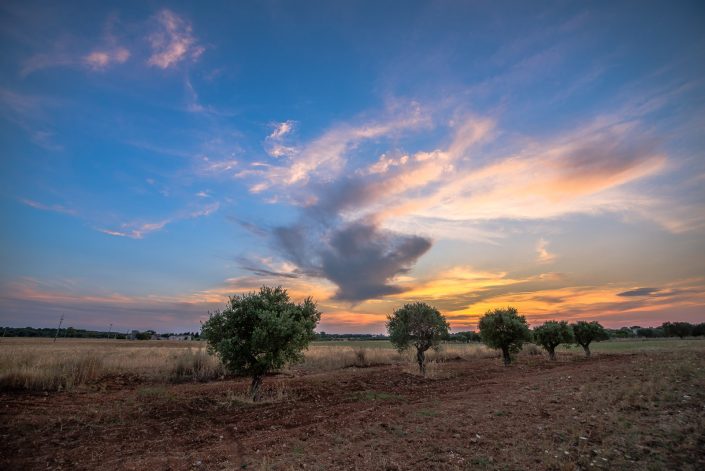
<point>480,461</point>
<point>375,396</point>
<point>500,413</point>
<point>298,449</point>
<point>426,413</point>
<point>156,392</point>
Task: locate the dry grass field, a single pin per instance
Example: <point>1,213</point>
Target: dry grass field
<point>100,404</point>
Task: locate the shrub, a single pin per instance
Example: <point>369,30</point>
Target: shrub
<point>551,334</point>
<point>587,332</point>
<point>260,332</point>
<point>505,329</point>
<point>417,324</point>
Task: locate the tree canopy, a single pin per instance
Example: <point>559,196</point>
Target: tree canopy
<point>259,332</point>
<point>417,324</point>
<point>551,334</point>
<point>505,329</point>
<point>587,332</point>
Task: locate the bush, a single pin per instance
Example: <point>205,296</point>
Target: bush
<point>505,329</point>
<point>417,324</point>
<point>260,332</point>
<point>587,332</point>
<point>551,334</point>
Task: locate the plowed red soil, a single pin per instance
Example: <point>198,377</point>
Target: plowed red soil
<point>623,411</point>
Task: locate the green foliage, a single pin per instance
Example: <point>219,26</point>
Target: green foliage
<point>417,324</point>
<point>588,332</point>
<point>678,329</point>
<point>505,329</point>
<point>260,332</point>
<point>551,334</point>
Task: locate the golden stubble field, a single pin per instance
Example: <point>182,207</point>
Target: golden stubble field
<point>96,404</point>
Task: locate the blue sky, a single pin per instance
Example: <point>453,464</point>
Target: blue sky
<point>158,157</point>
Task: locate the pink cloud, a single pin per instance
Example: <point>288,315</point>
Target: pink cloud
<point>173,41</point>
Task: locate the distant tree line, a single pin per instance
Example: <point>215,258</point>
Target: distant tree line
<point>63,332</point>
<point>71,332</point>
<point>323,336</point>
<point>667,329</point>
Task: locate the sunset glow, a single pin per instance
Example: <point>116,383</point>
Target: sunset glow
<point>159,158</point>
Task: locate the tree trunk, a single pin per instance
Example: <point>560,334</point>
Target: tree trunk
<point>552,354</point>
<point>505,356</point>
<point>420,357</point>
<point>587,350</point>
<point>254,387</point>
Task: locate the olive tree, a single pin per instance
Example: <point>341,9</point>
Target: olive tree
<point>419,325</point>
<point>588,332</point>
<point>505,329</point>
<point>260,332</point>
<point>551,334</point>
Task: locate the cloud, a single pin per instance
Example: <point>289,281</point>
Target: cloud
<point>173,41</point>
<point>638,292</point>
<point>57,208</point>
<point>324,158</point>
<point>358,257</point>
<point>681,300</point>
<point>359,204</point>
<point>543,255</point>
<point>32,114</point>
<point>274,144</point>
<point>138,230</point>
<point>72,52</point>
<point>45,61</point>
<point>281,129</point>
<point>101,59</point>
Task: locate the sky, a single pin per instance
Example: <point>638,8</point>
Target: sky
<point>158,157</point>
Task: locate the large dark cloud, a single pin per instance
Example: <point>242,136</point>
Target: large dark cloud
<point>361,260</point>
<point>359,257</point>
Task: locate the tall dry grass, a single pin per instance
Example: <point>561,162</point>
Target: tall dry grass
<point>42,365</point>
<point>327,358</point>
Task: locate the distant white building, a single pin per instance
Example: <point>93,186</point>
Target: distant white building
<point>180,337</point>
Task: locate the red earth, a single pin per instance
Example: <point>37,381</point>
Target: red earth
<point>619,411</point>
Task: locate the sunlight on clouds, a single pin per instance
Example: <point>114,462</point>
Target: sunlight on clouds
<point>173,41</point>
<point>453,282</point>
<point>590,303</point>
<point>543,255</point>
<point>98,60</point>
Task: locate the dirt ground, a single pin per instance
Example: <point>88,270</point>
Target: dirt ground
<point>613,411</point>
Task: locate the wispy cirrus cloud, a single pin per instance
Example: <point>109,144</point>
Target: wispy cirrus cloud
<point>56,208</point>
<point>324,158</point>
<point>138,230</point>
<point>173,41</point>
<point>274,142</point>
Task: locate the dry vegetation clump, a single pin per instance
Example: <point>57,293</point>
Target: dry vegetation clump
<point>36,372</point>
<point>38,365</point>
<point>328,358</point>
<point>334,357</point>
<point>195,366</point>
